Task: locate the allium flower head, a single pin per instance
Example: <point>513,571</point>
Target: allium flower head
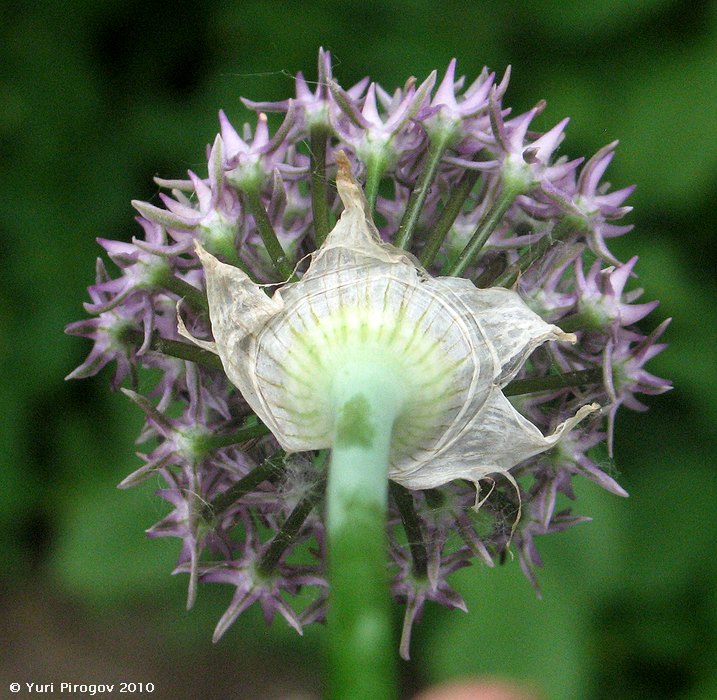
<point>458,273</point>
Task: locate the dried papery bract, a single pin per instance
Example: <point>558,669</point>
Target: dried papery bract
<point>449,346</point>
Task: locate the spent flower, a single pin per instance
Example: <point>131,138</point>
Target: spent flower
<point>457,319</point>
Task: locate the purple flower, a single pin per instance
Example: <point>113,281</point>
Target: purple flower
<point>415,591</point>
<point>453,116</point>
<point>462,188</point>
<point>601,301</point>
<point>589,205</point>
<point>253,583</point>
<point>624,373</point>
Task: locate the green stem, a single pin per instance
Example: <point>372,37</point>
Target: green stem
<point>494,268</point>
<point>175,348</point>
<point>184,290</point>
<point>448,216</point>
<point>246,432</point>
<point>485,228</point>
<point>268,235</point>
<point>319,188</point>
<point>509,277</point>
<point>266,471</point>
<point>553,381</point>
<point>291,528</point>
<point>412,525</point>
<point>375,168</point>
<point>434,498</point>
<point>437,147</point>
<point>361,648</point>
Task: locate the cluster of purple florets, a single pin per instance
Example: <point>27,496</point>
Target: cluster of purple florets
<point>469,190</point>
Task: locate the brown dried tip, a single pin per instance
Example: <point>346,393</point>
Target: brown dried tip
<point>349,190</point>
<point>344,171</point>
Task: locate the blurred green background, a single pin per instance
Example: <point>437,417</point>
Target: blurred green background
<point>97,98</point>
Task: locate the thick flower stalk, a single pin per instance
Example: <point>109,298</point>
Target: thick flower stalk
<point>364,374</point>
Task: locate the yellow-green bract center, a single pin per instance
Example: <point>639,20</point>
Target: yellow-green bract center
<point>395,341</point>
